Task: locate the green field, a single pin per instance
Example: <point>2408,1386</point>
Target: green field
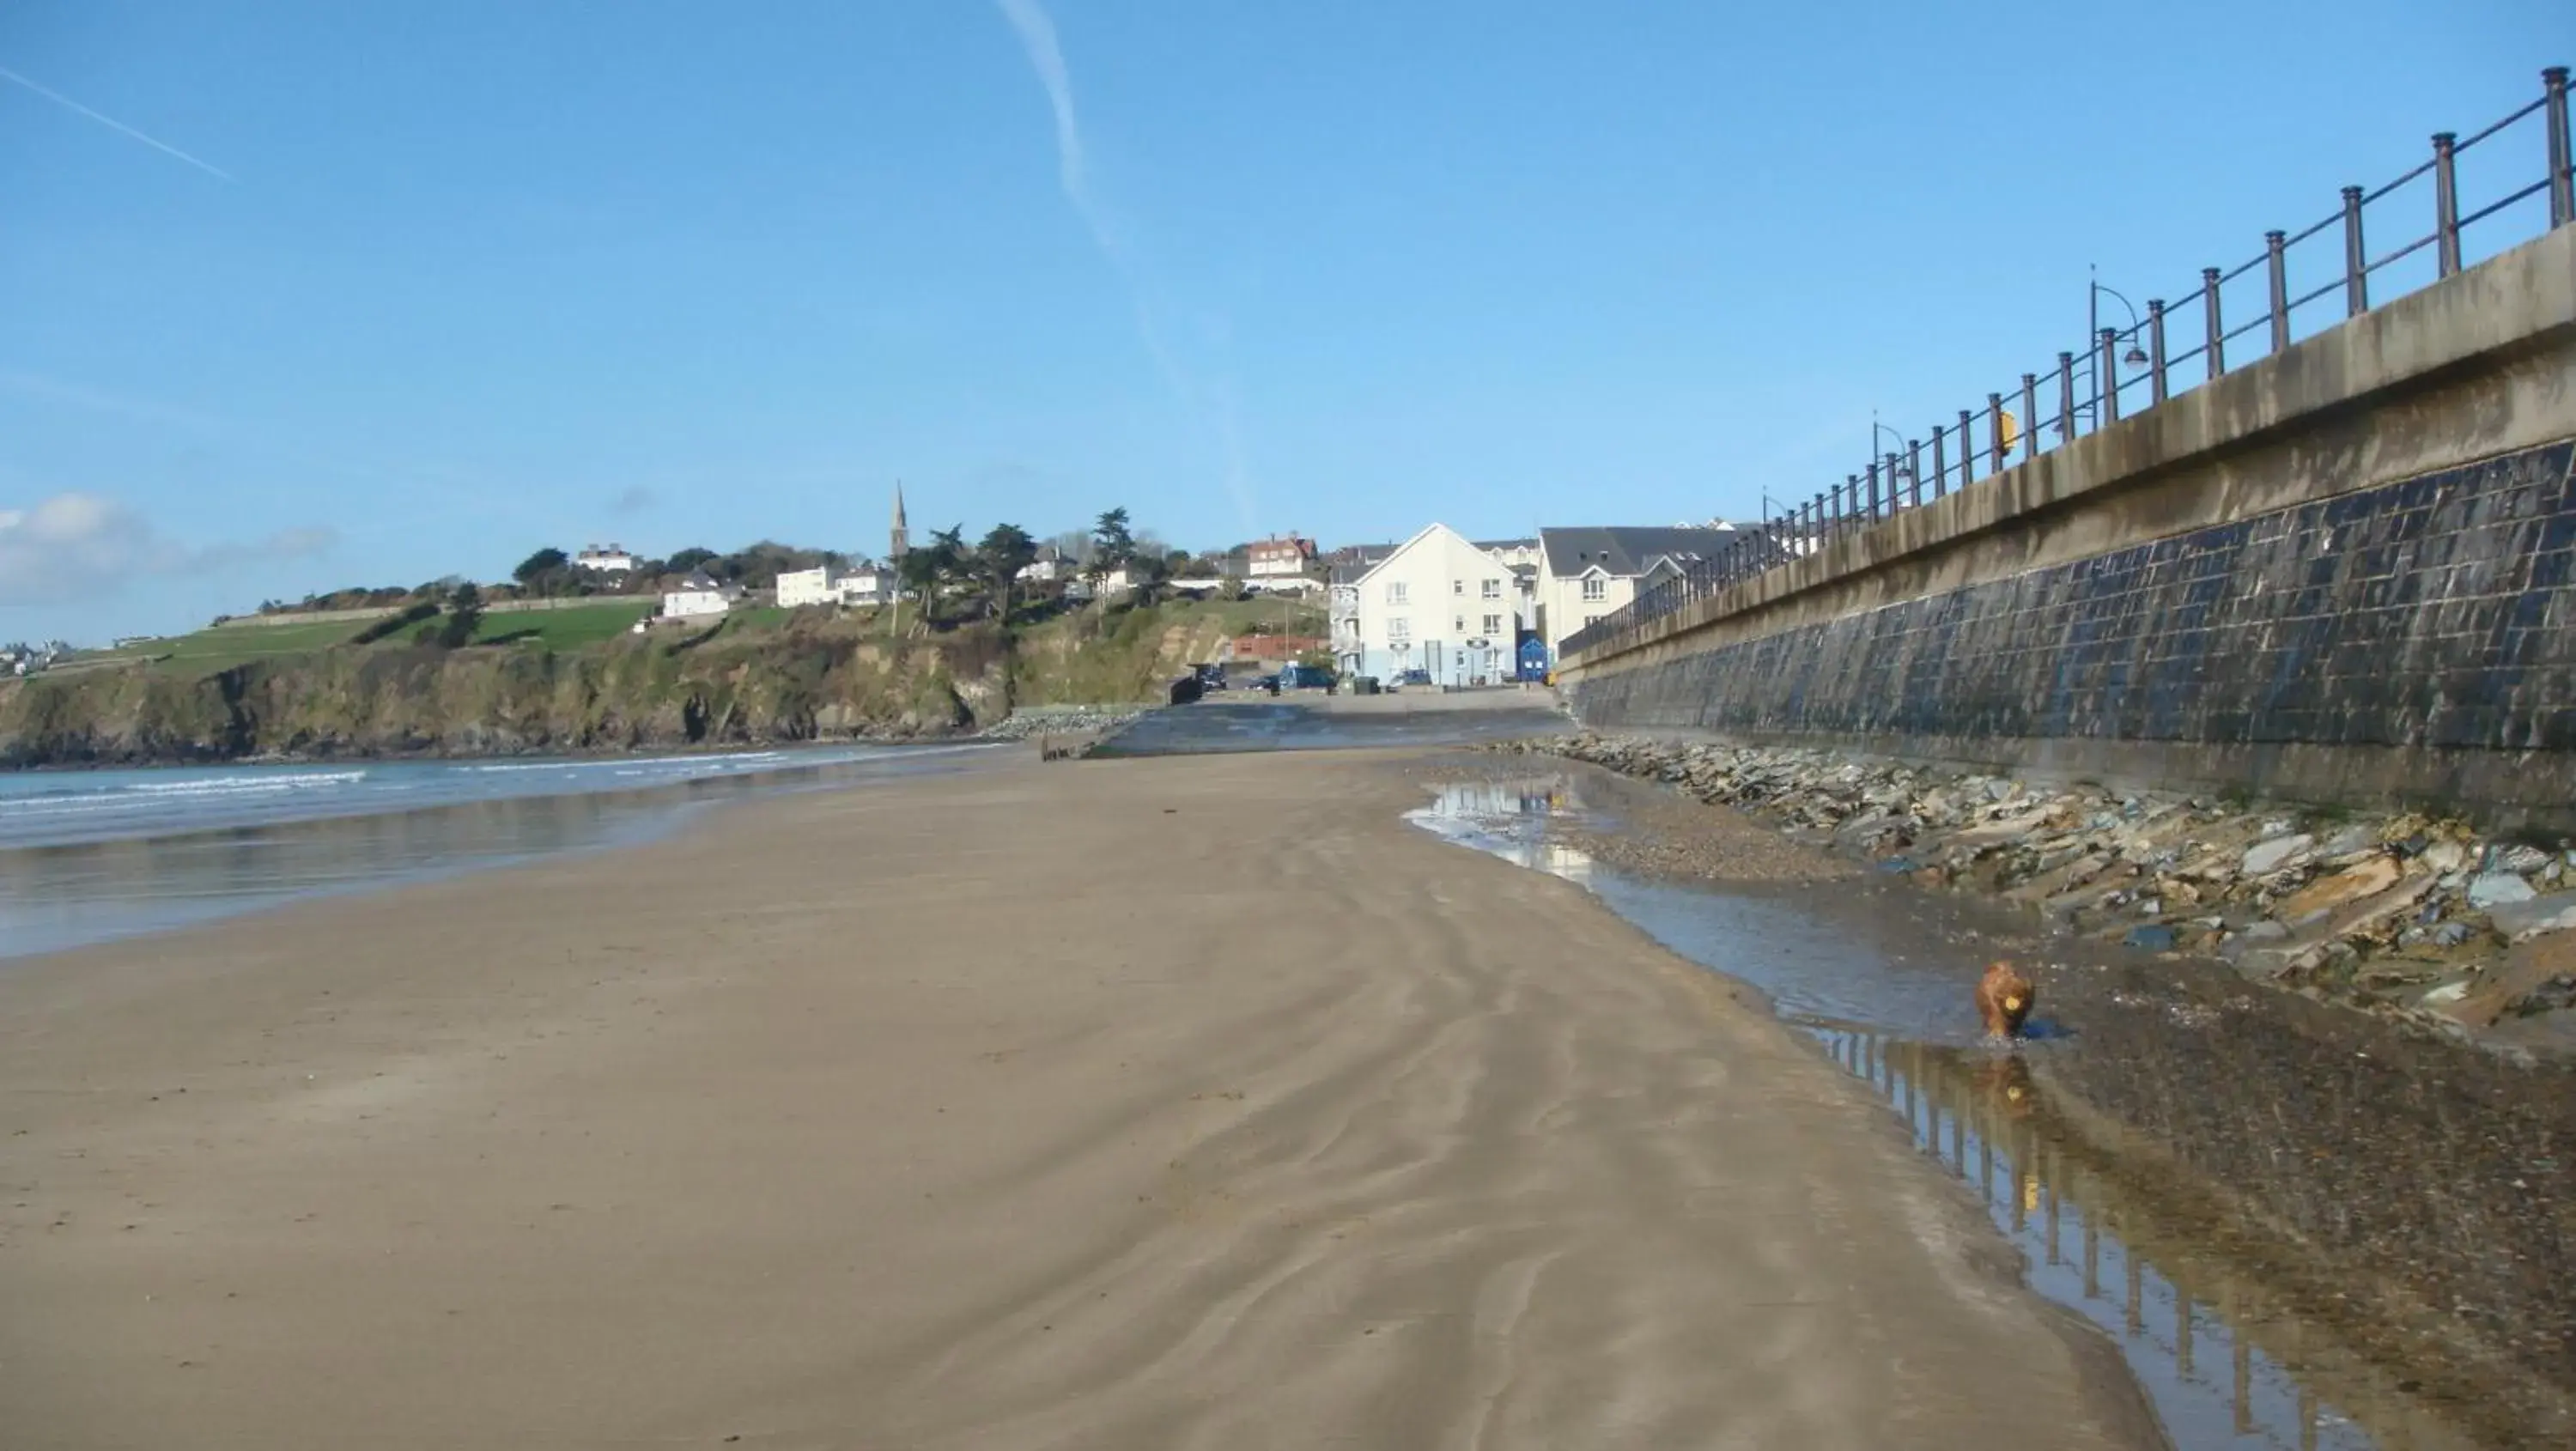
<point>222,647</point>
<point>561,629</point>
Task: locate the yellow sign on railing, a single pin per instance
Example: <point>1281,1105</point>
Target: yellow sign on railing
<point>2011,428</point>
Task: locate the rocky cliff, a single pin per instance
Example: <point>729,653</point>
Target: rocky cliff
<point>408,700</point>
<point>812,679</point>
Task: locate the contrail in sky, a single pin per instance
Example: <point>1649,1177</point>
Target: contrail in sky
<point>113,124</point>
<point>1046,57</point>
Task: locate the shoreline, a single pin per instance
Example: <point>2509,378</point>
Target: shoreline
<point>743,1133</point>
<point>61,895</point>
<point>2419,921</point>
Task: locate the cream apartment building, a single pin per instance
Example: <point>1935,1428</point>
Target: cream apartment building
<point>1439,603</point>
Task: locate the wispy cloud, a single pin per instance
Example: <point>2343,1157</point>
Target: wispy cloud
<point>633,499</point>
<point>265,442</point>
<point>113,124</point>
<point>74,547</point>
<point>1036,30</point>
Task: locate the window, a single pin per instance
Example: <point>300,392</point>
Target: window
<point>1493,589</point>
<point>1596,588</point>
<point>1458,587</point>
<point>1493,624</point>
<point>1459,624</point>
<point>1399,632</point>
<point>1395,592</point>
<point>1590,620</point>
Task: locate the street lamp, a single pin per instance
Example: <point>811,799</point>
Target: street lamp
<point>2135,357</point>
<point>1897,467</point>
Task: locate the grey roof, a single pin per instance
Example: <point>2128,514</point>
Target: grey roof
<point>1621,550</point>
<point>1506,543</point>
<point>1351,561</point>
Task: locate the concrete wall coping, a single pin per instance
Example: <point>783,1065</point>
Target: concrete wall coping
<point>2516,301</point>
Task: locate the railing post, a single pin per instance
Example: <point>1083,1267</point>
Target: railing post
<point>1940,465</point>
<point>2446,204</point>
<point>2155,350</point>
<point>2065,397</point>
<point>2275,245</point>
<point>1913,472</point>
<point>2562,189</point>
<point>1873,490</point>
<point>2029,415</point>
<point>2356,257</point>
<point>2109,372</point>
<point>2217,329</point>
<point>1995,427</point>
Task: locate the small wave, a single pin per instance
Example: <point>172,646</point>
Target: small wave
<point>625,767</point>
<point>245,785</point>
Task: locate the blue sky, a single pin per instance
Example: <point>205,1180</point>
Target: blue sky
<point>415,289</point>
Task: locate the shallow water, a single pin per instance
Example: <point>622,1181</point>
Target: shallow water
<point>93,856</point>
<point>2241,1334</point>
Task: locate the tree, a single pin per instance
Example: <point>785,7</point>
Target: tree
<point>542,572</point>
<point>1007,549</point>
<point>688,559</point>
<point>1146,576</point>
<point>1074,546</point>
<point>464,616</point>
<point>926,570</point>
<point>1112,543</point>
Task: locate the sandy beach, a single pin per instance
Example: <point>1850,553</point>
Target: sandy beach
<point>1108,1104</point>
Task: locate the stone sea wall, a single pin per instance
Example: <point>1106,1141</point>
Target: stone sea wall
<point>2434,615</point>
<point>2344,572</point>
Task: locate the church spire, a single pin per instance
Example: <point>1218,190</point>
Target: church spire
<point>898,539</point>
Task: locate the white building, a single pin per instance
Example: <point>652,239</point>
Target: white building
<point>1049,567</point>
<point>1587,573</point>
<point>1281,556</point>
<point>699,595</point>
<point>798,588</point>
<point>1438,604</point>
<point>868,583</point>
<point>862,583</point>
<point>612,560</point>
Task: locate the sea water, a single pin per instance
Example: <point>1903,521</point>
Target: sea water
<point>86,856</point>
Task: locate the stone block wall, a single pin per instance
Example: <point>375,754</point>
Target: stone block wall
<point>2432,615</point>
<point>2339,572</point>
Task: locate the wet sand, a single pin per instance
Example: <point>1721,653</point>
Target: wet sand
<point>1105,1104</point>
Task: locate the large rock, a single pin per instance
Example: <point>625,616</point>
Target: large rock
<point>2555,912</point>
<point>2496,889</point>
<point>2264,858</point>
<point>2526,968</point>
<point>2326,893</point>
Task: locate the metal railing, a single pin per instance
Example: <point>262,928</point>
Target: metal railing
<point>1985,441</point>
